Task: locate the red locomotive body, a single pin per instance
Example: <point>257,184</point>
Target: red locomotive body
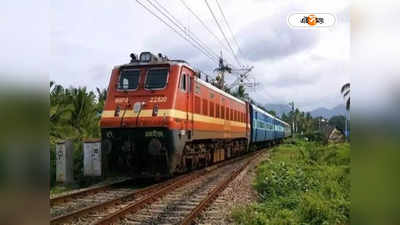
<point>160,118</point>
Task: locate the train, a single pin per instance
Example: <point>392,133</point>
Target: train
<point>161,119</point>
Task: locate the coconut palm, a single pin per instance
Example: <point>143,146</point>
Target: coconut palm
<point>241,93</point>
<point>101,98</point>
<point>346,93</point>
<point>83,112</point>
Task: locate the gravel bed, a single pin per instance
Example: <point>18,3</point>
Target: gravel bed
<point>239,192</point>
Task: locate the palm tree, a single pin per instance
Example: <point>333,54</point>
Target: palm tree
<point>101,98</point>
<point>83,112</point>
<point>346,93</point>
<point>241,93</point>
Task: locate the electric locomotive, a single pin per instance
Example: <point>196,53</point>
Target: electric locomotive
<point>160,119</point>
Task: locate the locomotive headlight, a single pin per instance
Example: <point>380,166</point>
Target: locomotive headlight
<point>137,107</point>
<point>145,57</point>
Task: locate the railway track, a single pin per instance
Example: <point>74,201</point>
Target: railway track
<point>176,201</point>
<point>66,204</point>
<point>64,198</point>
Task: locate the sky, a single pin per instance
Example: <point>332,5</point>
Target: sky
<point>88,38</point>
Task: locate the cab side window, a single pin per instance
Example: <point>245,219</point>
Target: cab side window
<point>183,82</point>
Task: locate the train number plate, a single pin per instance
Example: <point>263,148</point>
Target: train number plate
<point>158,99</point>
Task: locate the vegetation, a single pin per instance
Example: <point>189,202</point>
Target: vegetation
<point>304,123</point>
<point>301,183</point>
<point>74,114</point>
<point>338,122</point>
<point>240,92</point>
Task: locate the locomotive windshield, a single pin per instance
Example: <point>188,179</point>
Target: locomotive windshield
<point>156,78</point>
<point>128,79</point>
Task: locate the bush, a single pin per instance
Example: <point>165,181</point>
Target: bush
<point>315,137</point>
<point>301,183</point>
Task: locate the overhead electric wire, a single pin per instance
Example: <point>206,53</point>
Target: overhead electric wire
<point>223,33</point>
<point>183,30</point>
<point>204,25</point>
<point>229,27</point>
<point>177,32</point>
<point>177,23</point>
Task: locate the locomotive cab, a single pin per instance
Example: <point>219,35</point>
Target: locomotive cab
<point>145,120</point>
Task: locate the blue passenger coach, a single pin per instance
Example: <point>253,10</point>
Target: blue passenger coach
<point>265,128</point>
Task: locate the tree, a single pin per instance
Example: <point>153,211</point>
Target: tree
<point>285,118</point>
<point>58,113</point>
<point>101,98</point>
<point>272,112</point>
<point>338,122</point>
<point>346,94</point>
<point>83,111</point>
<point>74,113</point>
<point>241,93</point>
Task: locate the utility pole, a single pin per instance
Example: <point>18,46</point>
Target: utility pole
<point>245,74</point>
<point>292,106</point>
<point>222,68</point>
<point>347,125</point>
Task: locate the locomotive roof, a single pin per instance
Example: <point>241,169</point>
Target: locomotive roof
<point>166,62</point>
<point>212,87</point>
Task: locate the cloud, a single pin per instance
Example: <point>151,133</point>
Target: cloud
<point>89,38</point>
<point>268,39</point>
<point>271,37</point>
<point>297,78</point>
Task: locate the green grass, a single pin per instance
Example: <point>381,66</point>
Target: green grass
<point>301,183</point>
<point>60,189</point>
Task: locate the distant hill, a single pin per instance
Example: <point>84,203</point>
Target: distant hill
<point>328,113</point>
<point>278,108</point>
<point>322,111</point>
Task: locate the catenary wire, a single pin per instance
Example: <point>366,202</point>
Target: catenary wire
<point>223,33</point>
<point>190,34</point>
<point>177,32</point>
<point>229,27</point>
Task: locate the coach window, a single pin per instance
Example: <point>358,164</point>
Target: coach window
<point>222,112</point>
<point>183,81</point>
